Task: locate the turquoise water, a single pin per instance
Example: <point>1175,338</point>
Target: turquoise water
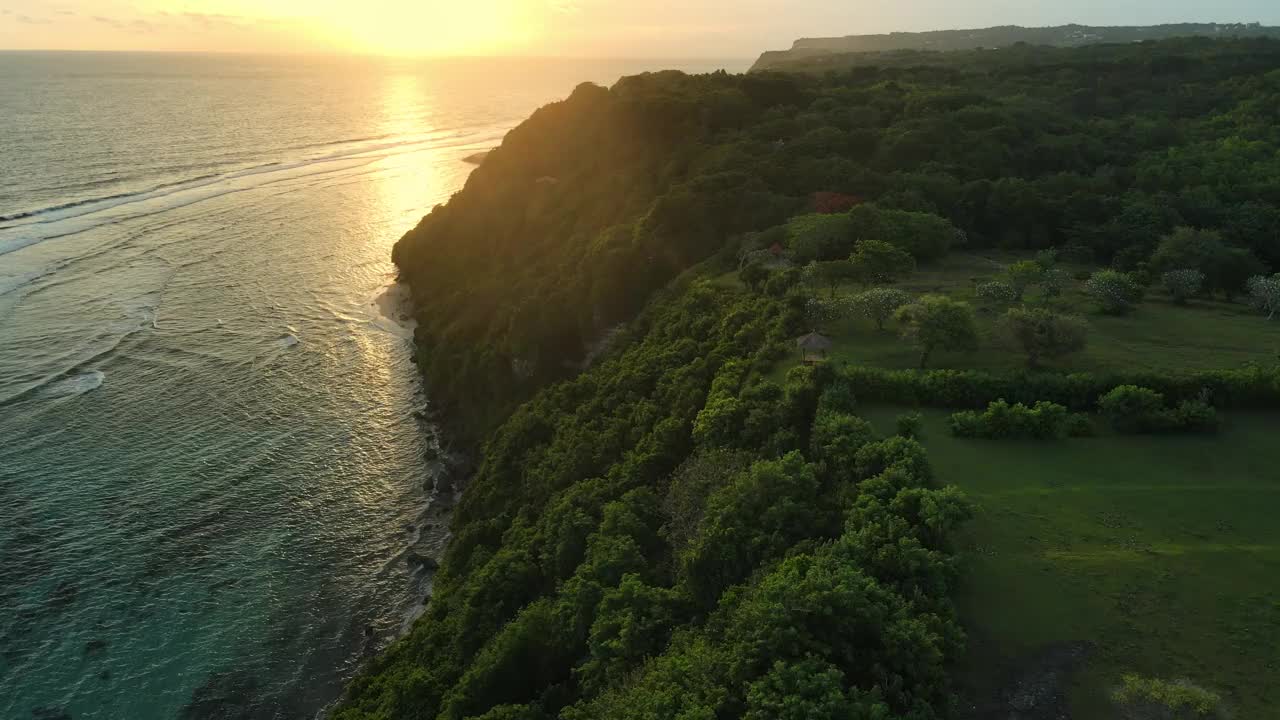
<point>212,453</point>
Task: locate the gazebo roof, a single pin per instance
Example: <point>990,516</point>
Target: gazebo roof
<point>813,341</point>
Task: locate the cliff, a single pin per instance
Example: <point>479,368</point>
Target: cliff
<point>678,532</point>
<point>823,53</point>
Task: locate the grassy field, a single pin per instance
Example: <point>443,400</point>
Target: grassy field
<point>1158,335</point>
<point>1164,552</point>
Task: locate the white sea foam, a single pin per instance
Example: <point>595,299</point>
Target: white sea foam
<point>75,385</point>
<point>19,230</point>
<point>288,341</point>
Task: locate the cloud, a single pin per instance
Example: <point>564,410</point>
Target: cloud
<point>137,25</point>
<point>566,7</point>
<point>33,20</point>
<point>209,20</point>
<point>68,12</point>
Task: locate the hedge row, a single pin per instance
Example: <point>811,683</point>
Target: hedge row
<point>1005,421</point>
<point>1250,387</point>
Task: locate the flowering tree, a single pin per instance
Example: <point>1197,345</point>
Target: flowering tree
<point>1264,294</point>
<point>1115,291</point>
<point>1182,284</point>
<point>879,304</point>
<point>820,312</point>
<point>997,291</point>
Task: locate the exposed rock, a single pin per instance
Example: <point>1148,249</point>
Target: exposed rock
<point>420,559</point>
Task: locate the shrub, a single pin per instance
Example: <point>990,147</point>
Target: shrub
<point>997,291</point>
<point>1116,292</point>
<point>1042,421</point>
<point>1134,410</point>
<point>1255,387</point>
<point>910,425</point>
<point>1180,696</point>
<point>1131,409</point>
<point>1040,333</point>
<point>1047,259</point>
<point>879,304</point>
<point>1182,284</point>
<point>1079,425</point>
<point>1195,416</point>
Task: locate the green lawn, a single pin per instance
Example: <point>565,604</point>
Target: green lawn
<point>1203,335</point>
<point>1163,551</point>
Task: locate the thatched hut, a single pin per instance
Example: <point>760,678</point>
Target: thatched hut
<point>813,348</point>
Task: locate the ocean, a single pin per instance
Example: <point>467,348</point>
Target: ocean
<point>214,447</point>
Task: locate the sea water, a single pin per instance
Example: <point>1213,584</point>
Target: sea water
<point>213,456</point>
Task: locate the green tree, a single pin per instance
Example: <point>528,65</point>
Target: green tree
<point>753,275</point>
<point>809,689</point>
<point>1023,274</point>
<point>1233,270</point>
<point>1188,247</point>
<point>879,304</point>
<point>876,261</point>
<point>936,322</point>
<point>1054,282</point>
<point>757,515</point>
<point>819,237</point>
<point>1041,334</point>
<point>834,272</point>
<point>836,439</point>
<point>925,235</point>
<point>1226,269</point>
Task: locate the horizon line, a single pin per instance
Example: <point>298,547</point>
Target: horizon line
<point>374,56</point>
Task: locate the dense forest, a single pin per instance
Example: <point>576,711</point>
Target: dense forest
<point>674,531</point>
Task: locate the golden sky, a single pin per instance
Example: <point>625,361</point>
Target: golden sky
<point>584,28</point>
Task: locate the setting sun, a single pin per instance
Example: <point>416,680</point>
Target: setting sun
<point>439,27</point>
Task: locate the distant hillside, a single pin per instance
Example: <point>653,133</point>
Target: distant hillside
<point>817,53</point>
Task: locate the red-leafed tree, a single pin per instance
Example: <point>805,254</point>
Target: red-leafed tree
<point>833,202</point>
